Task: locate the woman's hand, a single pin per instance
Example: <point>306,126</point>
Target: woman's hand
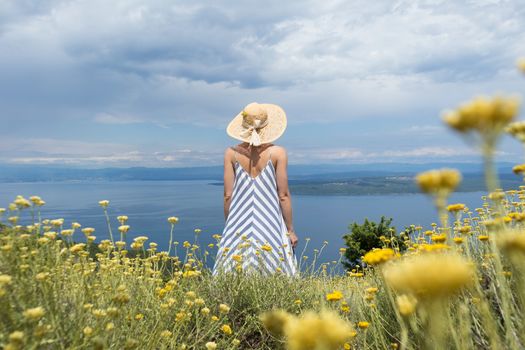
<point>293,238</point>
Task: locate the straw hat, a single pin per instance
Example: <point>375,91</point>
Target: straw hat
<point>258,123</point>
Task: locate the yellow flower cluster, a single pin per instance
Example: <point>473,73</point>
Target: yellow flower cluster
<point>483,114</point>
<point>266,247</point>
<point>455,207</point>
<point>517,129</point>
<point>336,295</point>
<point>519,169</point>
<point>378,256</point>
<point>406,304</point>
<point>309,331</point>
<point>442,180</point>
<point>173,220</point>
<point>429,275</point>
<point>37,201</point>
<point>512,242</point>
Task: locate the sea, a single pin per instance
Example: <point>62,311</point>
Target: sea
<point>199,205</point>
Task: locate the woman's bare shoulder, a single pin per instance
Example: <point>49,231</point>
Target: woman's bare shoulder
<point>278,151</point>
<point>228,153</point>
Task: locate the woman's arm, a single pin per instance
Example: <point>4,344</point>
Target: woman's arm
<point>229,177</point>
<point>285,197</point>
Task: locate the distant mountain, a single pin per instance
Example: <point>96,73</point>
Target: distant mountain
<point>297,172</point>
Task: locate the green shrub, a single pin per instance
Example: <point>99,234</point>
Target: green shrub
<point>369,235</point>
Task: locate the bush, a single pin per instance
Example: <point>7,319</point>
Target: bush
<point>363,238</point>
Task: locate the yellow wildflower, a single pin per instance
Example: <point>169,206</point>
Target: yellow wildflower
<point>363,324</point>
<point>266,247</point>
<point>517,129</point>
<point>166,334</point>
<point>483,114</point>
<point>336,295</point>
<point>67,233</point>
<point>88,231</point>
<point>433,247</point>
<point>406,304</point>
<point>87,331</point>
<point>372,290</point>
<point>458,240</point>
<point>226,329</point>
<point>35,313</point>
<point>140,239</point>
<point>439,238</point>
<point>312,331</point>
<point>430,275</point>
<point>122,219</point>
<point>378,256</point>
<point>456,207</point>
<point>345,307</point>
<point>223,308</point>
<point>465,229</point>
<point>190,273</point>
<point>274,321</point>
<point>22,202</point>
<point>35,199</point>
<point>42,276</point>
<point>77,247</point>
<point>512,242</point>
<point>5,280</point>
<point>211,345</point>
<point>442,180</point>
<point>17,337</point>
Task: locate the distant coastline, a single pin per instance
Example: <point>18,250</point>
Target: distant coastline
<point>314,180</point>
<point>367,186</point>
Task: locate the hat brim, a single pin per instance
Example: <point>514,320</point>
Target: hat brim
<point>276,125</point>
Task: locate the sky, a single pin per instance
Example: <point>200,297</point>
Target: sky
<point>97,83</point>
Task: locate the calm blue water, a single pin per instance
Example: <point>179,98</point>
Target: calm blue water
<point>199,205</point>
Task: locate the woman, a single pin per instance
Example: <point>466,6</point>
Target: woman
<point>259,234</point>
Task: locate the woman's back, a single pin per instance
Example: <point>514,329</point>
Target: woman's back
<point>255,237</point>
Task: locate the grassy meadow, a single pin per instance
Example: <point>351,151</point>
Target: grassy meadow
<point>459,285</point>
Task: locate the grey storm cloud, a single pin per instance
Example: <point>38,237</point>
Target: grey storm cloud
<point>88,53</point>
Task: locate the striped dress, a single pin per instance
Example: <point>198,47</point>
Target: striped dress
<point>255,236</point>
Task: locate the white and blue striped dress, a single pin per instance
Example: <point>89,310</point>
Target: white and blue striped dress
<point>255,237</point>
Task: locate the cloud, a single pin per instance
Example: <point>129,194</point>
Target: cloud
<point>425,154</point>
<point>176,158</point>
<point>49,146</point>
<point>106,118</point>
<point>430,152</point>
<point>160,63</point>
<point>93,154</point>
<point>71,152</point>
